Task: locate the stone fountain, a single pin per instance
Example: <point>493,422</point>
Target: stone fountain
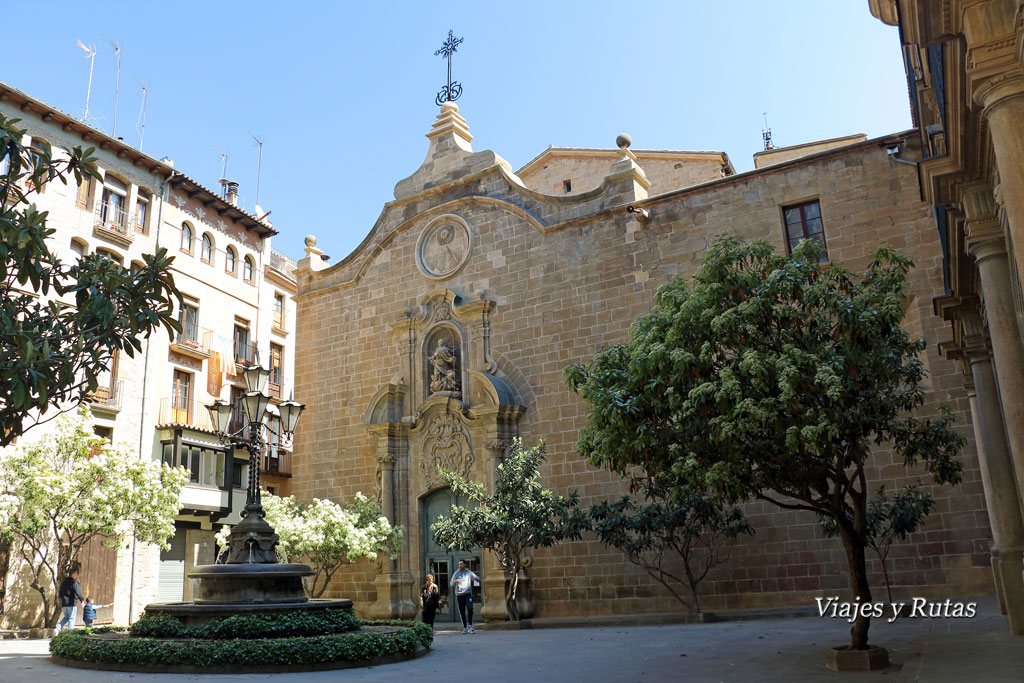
<point>251,581</point>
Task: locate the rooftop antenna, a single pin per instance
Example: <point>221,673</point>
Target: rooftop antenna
<point>117,86</point>
<point>224,168</point>
<point>259,164</point>
<point>766,134</point>
<point>90,54</point>
<point>140,125</point>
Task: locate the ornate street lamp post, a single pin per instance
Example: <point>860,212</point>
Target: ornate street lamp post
<point>253,540</point>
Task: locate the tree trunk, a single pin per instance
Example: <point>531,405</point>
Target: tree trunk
<point>854,546</point>
<point>510,594</point>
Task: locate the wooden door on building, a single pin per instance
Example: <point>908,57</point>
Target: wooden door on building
<point>98,575</point>
<point>437,560</point>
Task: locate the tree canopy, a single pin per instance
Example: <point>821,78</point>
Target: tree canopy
<point>326,534</point>
<point>519,515</point>
<point>70,486</point>
<point>61,323</point>
<point>770,377</point>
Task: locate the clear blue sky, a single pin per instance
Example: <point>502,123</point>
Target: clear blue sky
<point>342,93</point>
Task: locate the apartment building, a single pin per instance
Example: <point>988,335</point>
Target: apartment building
<point>237,312</point>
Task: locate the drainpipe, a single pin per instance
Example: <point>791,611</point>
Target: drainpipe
<point>145,377</point>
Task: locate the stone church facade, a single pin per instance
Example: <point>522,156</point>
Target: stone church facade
<point>446,332</point>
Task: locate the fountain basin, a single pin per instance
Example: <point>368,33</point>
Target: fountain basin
<point>240,584</point>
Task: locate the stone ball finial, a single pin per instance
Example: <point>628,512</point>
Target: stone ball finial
<point>623,141</point>
<point>449,106</point>
<point>310,241</point>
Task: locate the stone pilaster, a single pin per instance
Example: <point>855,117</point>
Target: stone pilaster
<point>494,576</point>
<point>997,473</point>
<point>394,587</point>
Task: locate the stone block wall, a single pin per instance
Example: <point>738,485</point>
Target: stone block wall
<point>566,285</point>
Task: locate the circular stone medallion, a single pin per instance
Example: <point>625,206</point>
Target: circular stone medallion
<point>443,247</point>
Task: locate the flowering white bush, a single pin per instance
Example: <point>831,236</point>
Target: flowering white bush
<point>327,535</point>
<point>72,485</point>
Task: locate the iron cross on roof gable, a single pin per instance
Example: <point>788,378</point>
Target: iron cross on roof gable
<point>452,90</point>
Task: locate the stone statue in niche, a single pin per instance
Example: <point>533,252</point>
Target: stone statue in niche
<point>444,376</point>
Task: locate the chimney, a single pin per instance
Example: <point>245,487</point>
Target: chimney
<point>232,193</point>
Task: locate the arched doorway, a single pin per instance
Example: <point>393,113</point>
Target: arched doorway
<point>437,560</point>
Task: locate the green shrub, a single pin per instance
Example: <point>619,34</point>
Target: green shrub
<point>278,625</point>
<point>353,647</point>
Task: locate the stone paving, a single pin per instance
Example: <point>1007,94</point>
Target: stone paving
<point>922,650</point>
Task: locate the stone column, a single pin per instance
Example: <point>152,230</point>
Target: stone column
<point>1007,350</point>
<point>997,475</point>
<point>1003,101</point>
<point>394,587</point>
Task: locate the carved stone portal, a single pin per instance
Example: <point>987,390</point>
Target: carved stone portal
<point>446,446</point>
<point>447,404</point>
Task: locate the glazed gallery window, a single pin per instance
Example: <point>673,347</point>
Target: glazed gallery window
<point>248,270</point>
<point>205,465</point>
<point>803,222</point>
<point>230,261</point>
<point>186,238</point>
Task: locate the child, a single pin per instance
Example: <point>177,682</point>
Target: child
<point>89,613</point>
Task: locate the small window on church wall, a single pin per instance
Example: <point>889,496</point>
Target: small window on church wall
<point>567,186</point>
<point>803,222</point>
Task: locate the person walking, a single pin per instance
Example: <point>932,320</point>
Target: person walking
<point>70,594</point>
<point>431,598</point>
<point>463,580</point>
<point>89,612</point>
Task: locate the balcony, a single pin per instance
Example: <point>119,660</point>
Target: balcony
<point>282,263</point>
<point>246,354</point>
<point>180,412</point>
<point>112,222</point>
<point>278,461</point>
<point>194,341</point>
<point>107,399</point>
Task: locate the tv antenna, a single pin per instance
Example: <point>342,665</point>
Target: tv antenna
<point>766,133</point>
<point>117,85</point>
<point>140,125</point>
<point>90,54</point>
<point>259,164</point>
<point>224,163</point>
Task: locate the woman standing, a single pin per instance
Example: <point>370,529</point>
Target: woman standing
<point>431,598</point>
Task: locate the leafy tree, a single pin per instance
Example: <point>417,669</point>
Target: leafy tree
<point>889,520</point>
<point>327,535</point>
<point>698,530</point>
<point>519,515</point>
<point>60,323</point>
<point>770,377</point>
<point>71,486</point>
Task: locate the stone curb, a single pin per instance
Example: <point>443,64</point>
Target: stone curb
<point>269,669</point>
<point>623,620</point>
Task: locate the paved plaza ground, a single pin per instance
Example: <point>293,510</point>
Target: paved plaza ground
<point>791,649</point>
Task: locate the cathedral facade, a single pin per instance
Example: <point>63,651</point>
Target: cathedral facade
<point>446,332</point>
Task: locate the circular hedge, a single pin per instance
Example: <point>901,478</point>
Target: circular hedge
<point>231,645</point>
